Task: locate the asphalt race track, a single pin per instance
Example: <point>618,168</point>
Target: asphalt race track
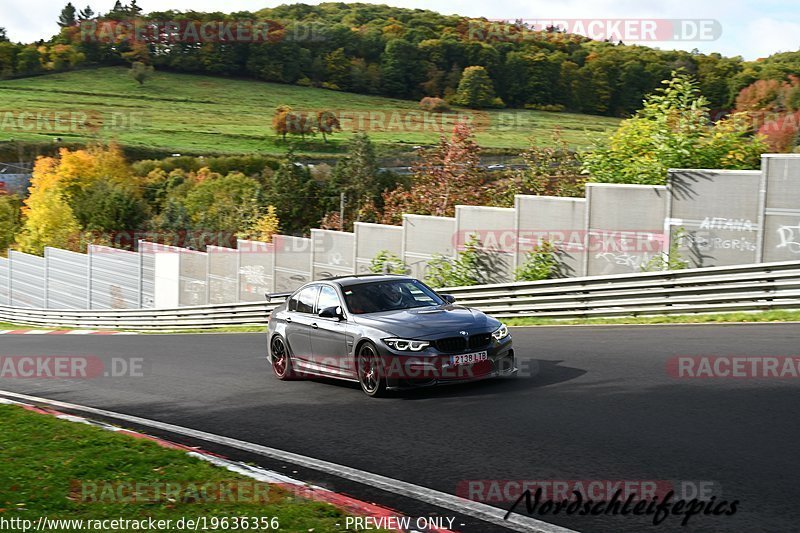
<point>592,403</point>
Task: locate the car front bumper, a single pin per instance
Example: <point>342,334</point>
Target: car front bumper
<point>430,368</point>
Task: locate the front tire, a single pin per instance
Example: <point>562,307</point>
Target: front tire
<point>370,371</point>
<point>281,360</point>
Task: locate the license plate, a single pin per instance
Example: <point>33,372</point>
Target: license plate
<point>468,358</point>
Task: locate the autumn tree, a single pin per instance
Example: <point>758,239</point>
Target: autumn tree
<point>445,175</point>
<point>49,221</point>
<point>327,124</point>
<point>58,185</point>
<point>279,120</point>
<point>264,227</point>
<point>284,121</point>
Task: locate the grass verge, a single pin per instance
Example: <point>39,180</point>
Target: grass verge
<point>9,325</point>
<point>44,460</point>
<point>762,316</point>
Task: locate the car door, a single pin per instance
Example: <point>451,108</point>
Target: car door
<point>329,341</point>
<point>298,323</point>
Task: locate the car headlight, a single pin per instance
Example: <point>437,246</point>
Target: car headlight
<point>406,345</point>
<point>501,332</point>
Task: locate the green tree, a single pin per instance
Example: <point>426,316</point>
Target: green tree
<point>8,59</point>
<point>293,193</point>
<point>108,206</point>
<point>86,14</point>
<point>141,72</point>
<point>225,204</point>
<point>401,69</point>
<point>3,37</point>
<point>355,174</point>
<point>67,16</point>
<point>9,220</point>
<point>337,67</point>
<point>673,130</point>
<point>476,89</point>
<point>29,60</point>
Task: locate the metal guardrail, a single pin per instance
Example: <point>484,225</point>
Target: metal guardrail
<point>705,290</point>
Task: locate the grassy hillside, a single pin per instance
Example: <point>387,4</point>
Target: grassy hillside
<point>196,114</point>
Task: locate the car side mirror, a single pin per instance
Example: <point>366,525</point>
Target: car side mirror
<point>332,312</point>
<point>449,298</point>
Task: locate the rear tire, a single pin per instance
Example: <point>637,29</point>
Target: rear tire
<point>370,371</point>
<point>281,360</point>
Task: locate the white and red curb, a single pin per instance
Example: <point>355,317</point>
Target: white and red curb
<point>63,332</point>
<point>343,502</point>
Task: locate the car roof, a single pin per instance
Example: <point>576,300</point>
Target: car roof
<point>355,279</point>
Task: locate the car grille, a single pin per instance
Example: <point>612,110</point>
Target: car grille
<point>480,340</point>
<point>457,344</point>
<point>451,344</point>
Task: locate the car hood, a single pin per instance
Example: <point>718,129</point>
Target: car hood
<point>429,321</point>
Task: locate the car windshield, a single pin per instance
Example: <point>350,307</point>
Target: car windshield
<point>389,296</point>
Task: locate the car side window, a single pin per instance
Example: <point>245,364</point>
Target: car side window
<point>303,301</point>
<point>327,298</point>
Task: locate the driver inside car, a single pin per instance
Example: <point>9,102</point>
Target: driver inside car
<point>392,296</point>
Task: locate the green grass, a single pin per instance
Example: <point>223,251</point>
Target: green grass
<point>9,325</point>
<point>186,113</point>
<point>761,316</point>
<point>42,458</point>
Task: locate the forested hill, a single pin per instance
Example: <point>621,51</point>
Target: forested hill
<point>404,53</point>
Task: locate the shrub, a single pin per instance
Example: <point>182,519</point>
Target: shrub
<point>385,262</point>
<point>434,105</point>
<point>672,260</point>
<point>473,266</point>
<point>543,262</point>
